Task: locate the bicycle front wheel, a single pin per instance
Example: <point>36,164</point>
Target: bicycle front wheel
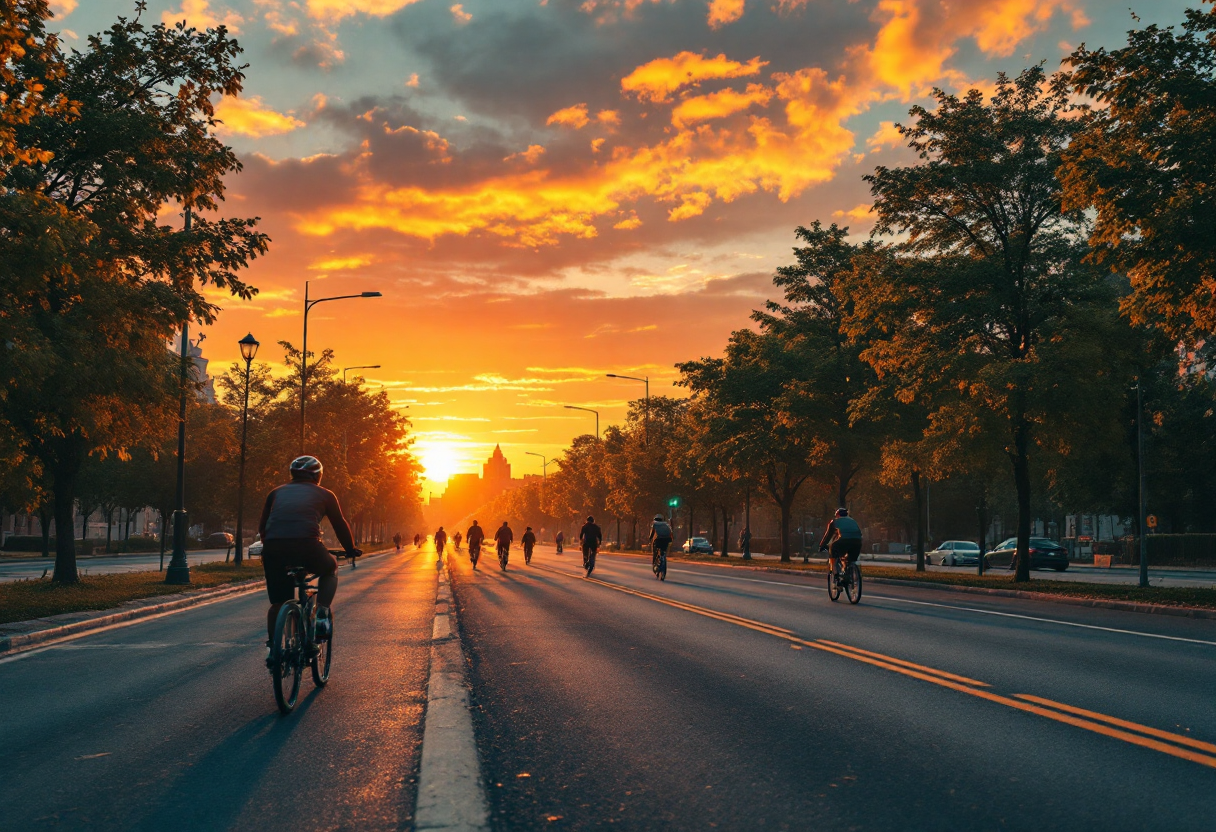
<point>287,657</point>
<point>854,587</point>
<point>833,585</point>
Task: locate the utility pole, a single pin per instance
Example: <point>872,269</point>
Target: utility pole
<point>179,570</point>
<point>1140,471</point>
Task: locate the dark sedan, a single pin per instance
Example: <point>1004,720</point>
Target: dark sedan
<point>1044,553</point>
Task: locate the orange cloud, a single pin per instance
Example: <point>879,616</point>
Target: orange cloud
<point>252,118</point>
<point>719,104</point>
<point>887,135</point>
<point>196,13</point>
<point>334,10</point>
<point>860,212</point>
<point>531,155</point>
<point>722,12</point>
<point>575,116</point>
<point>657,80</point>
<point>460,15</point>
<point>609,117</point>
<point>342,263</point>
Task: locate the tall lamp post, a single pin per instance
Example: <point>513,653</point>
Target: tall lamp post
<point>360,367</point>
<point>308,305</point>
<point>646,412</point>
<point>588,410</point>
<point>249,349</point>
<point>179,570</point>
<point>544,463</point>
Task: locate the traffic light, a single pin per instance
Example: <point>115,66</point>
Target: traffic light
<point>673,502</point>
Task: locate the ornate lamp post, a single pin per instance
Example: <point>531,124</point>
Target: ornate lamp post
<point>179,570</point>
<point>309,304</point>
<point>249,348</point>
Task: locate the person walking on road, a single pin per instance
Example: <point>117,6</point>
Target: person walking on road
<point>843,535</point>
<point>456,539</point>
<point>397,541</point>
<point>417,539</point>
<point>559,539</point>
<point>529,541</point>
<point>590,537</point>
<point>475,536</point>
<point>441,542</point>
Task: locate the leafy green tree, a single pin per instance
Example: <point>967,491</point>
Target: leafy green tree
<point>1143,161</point>
<point>91,278</point>
<point>991,289</point>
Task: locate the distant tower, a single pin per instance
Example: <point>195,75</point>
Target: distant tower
<point>496,473</point>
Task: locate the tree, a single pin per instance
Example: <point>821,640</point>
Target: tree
<point>91,279</point>
<point>1144,161</point>
<point>990,288</point>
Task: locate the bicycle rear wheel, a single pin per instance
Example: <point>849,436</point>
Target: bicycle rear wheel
<point>287,657</point>
<point>474,556</point>
<point>854,586</point>
<point>662,567</point>
<point>833,585</point>
<point>589,562</point>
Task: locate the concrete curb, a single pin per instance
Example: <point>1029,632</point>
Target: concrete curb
<point>142,608</point>
<point>451,795</point>
<point>1095,603</point>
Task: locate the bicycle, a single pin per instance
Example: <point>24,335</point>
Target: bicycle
<point>658,562</point>
<point>474,554</point>
<point>295,642</point>
<point>848,579</point>
<point>504,552</point>
<point>589,560</point>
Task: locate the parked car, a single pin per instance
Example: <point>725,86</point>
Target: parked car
<point>218,540</point>
<point>1044,553</point>
<point>698,545</point>
<point>255,549</point>
<point>955,553</point>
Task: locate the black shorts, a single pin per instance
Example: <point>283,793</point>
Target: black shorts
<point>280,555</point>
<point>846,547</point>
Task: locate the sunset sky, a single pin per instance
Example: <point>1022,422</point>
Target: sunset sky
<point>550,190</point>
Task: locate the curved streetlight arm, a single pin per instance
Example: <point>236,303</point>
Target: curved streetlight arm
<point>588,410</point>
<point>646,412</point>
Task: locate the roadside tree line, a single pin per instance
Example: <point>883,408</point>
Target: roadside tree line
<point>1040,266</point>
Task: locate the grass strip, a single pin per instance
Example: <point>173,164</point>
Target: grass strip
<point>1171,596</point>
<point>24,600</point>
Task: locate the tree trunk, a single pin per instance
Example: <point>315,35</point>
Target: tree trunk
<point>65,508</point>
<point>919,496</point>
<point>725,532</point>
<point>44,521</point>
<point>787,506</point>
<point>981,511</point>
<point>1021,477</point>
<point>108,513</point>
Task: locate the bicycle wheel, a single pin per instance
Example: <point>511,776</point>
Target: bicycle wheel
<point>320,662</point>
<point>287,658</point>
<point>662,567</point>
<point>589,563</point>
<point>474,556</point>
<point>833,585</point>
<point>854,586</point>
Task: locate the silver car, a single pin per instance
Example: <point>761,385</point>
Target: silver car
<point>254,549</point>
<point>955,553</point>
<point>698,545</point>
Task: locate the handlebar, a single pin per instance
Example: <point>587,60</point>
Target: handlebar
<point>342,553</point>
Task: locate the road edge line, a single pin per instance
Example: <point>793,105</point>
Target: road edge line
<point>451,794</point>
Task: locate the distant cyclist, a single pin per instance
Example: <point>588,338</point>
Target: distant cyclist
<point>843,536</point>
<point>291,531</point>
<point>559,540</point>
<point>417,539</point>
<point>660,538</point>
<point>590,537</point>
<point>503,538</point>
<point>475,536</point>
<point>397,541</point>
<point>441,541</point>
<point>456,539</point>
<point>529,541</point>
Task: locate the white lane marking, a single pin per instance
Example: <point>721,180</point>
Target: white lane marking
<point>968,609</point>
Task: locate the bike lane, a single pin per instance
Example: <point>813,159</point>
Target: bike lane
<point>171,723</point>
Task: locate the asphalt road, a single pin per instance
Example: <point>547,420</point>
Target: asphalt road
<point>22,569</point>
<point>171,723</point>
<point>600,708</point>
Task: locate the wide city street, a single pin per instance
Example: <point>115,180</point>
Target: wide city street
<point>19,569</point>
<point>720,698</point>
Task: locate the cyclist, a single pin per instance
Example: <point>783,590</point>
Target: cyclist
<point>660,539</point>
<point>474,537</point>
<point>397,541</point>
<point>590,536</point>
<point>529,541</point>
<point>843,535</point>
<point>417,538</point>
<point>291,531</point>
<point>503,538</point>
<point>456,539</point>
<point>441,541</point>
<point>559,540</point>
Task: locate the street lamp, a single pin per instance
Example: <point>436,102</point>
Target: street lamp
<point>249,349</point>
<point>588,410</point>
<point>179,570</point>
<point>309,304</point>
<point>360,367</point>
<point>1140,475</point>
<point>646,412</point>
<point>544,463</point>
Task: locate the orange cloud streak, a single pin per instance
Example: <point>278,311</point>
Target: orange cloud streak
<point>657,80</point>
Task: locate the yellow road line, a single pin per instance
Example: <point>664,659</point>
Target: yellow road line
<point>1059,712</point>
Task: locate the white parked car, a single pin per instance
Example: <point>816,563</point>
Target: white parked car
<point>698,545</point>
<point>255,549</point>
<point>955,553</point>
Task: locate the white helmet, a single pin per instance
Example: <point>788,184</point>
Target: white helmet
<point>307,468</point>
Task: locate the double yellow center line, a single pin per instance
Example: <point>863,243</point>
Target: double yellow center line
<point>1175,745</point>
